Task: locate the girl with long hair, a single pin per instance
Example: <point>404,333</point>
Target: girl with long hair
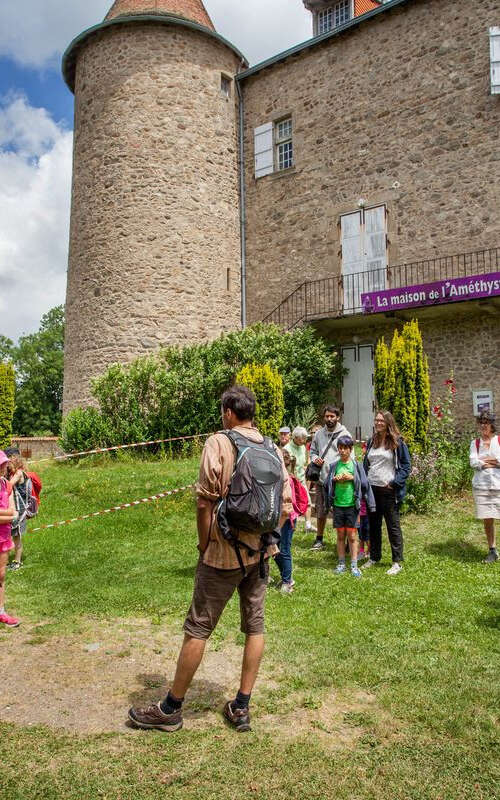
<point>387,466</point>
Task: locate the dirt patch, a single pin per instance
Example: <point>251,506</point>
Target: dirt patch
<point>85,681</point>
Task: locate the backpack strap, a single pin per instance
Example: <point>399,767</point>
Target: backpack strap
<point>478,442</point>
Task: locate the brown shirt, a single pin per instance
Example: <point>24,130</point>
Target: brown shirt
<point>216,469</point>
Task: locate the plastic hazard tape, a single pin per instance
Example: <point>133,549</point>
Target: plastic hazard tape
<point>114,508</point>
<point>65,456</point>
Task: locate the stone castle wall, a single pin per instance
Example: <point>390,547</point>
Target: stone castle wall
<point>154,241</point>
<point>394,111</point>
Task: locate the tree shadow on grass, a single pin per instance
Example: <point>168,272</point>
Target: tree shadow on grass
<point>203,695</point>
<point>456,550</point>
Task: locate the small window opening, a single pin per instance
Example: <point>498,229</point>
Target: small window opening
<point>225,86</point>
<point>228,279</point>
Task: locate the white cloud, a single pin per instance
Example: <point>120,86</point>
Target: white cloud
<point>37,36</point>
<point>35,188</point>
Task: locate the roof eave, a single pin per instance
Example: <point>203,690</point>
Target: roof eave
<point>315,40</point>
<point>71,52</point>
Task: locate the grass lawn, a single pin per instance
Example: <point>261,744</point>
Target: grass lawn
<point>377,688</point>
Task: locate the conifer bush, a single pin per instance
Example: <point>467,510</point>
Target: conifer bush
<point>267,385</point>
<point>402,383</point>
<point>7,405</point>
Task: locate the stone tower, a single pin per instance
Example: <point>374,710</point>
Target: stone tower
<point>155,240</point>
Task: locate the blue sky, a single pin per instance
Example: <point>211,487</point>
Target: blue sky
<point>36,122</point>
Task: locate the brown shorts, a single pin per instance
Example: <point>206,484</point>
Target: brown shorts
<point>213,589</point>
<point>321,510</point>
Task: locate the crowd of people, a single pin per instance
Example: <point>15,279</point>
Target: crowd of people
<point>239,466</point>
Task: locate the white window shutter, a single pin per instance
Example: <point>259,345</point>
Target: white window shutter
<point>264,156</point>
<point>495,60</point>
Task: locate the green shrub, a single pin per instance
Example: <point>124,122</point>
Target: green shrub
<point>85,429</point>
<point>176,392</point>
<point>7,393</point>
<point>267,385</point>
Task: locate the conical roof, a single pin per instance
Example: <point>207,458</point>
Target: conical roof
<point>193,10</point>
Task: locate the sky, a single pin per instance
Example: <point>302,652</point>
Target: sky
<point>36,139</point>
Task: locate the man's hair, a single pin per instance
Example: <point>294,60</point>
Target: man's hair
<point>332,410</point>
<point>241,401</point>
<point>345,441</point>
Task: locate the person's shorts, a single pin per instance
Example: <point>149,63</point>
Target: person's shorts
<point>20,530</point>
<point>6,543</point>
<point>213,589</point>
<point>345,516</point>
<point>487,503</point>
<point>322,511</point>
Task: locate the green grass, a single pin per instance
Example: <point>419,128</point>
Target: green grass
<point>423,649</point>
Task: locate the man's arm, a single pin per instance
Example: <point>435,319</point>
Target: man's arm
<point>204,509</point>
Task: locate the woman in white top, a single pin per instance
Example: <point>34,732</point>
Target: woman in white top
<point>485,461</point>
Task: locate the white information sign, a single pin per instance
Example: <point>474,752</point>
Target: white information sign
<point>482,400</point>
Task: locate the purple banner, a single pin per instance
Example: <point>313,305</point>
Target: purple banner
<point>452,290</point>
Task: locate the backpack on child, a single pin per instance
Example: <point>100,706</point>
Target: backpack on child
<point>254,499</point>
<point>25,501</point>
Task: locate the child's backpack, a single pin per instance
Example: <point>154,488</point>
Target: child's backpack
<point>253,502</point>
<point>36,486</point>
<point>25,502</point>
<point>301,503</point>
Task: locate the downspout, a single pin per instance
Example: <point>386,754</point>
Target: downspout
<point>242,209</point>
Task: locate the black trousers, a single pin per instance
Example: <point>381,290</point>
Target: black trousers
<point>387,508</point>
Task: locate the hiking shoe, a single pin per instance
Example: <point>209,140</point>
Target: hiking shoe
<point>491,557</point>
<point>355,572</point>
<point>14,565</point>
<point>394,569</point>
<point>238,718</point>
<point>286,588</point>
<point>339,569</point>
<point>153,718</point>
<point>11,622</point>
<point>369,563</point>
<point>318,545</point>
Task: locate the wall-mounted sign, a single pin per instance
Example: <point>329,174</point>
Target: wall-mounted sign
<point>482,400</point>
<point>453,290</point>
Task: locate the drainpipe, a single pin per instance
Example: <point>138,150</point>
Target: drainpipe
<point>242,209</point>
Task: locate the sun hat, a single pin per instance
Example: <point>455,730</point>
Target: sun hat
<point>3,458</point>
<point>285,429</point>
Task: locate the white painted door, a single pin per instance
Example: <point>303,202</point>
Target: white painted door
<point>358,396</point>
<point>364,254</point>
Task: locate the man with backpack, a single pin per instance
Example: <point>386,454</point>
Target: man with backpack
<point>243,499</point>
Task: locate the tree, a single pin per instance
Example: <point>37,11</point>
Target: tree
<point>38,360</point>
<point>267,385</point>
<point>7,390</point>
<point>402,383</point>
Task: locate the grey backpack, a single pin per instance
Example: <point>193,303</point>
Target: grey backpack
<point>253,502</point>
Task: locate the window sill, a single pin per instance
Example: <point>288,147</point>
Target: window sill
<point>283,173</point>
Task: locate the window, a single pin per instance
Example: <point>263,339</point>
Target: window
<point>334,16</point>
<point>284,143</point>
<point>273,145</point>
<point>364,254</point>
<point>225,86</point>
<point>495,59</point>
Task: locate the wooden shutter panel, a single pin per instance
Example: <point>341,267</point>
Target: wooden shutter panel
<point>495,60</point>
<point>264,157</point>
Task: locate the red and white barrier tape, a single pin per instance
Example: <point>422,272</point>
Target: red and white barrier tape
<point>65,456</point>
<point>114,508</point>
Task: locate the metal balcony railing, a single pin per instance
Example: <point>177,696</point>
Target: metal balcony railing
<point>340,295</point>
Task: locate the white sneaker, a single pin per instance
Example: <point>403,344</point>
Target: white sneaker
<point>310,528</point>
<point>394,569</point>
<point>368,563</point>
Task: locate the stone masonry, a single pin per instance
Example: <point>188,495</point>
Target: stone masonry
<point>396,110</point>
<point>154,240</point>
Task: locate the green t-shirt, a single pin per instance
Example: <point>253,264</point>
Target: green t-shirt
<point>344,490</point>
<point>300,453</point>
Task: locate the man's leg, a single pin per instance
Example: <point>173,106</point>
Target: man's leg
<point>340,550</point>
<point>189,660</point>
<point>321,517</point>
<point>252,656</point>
